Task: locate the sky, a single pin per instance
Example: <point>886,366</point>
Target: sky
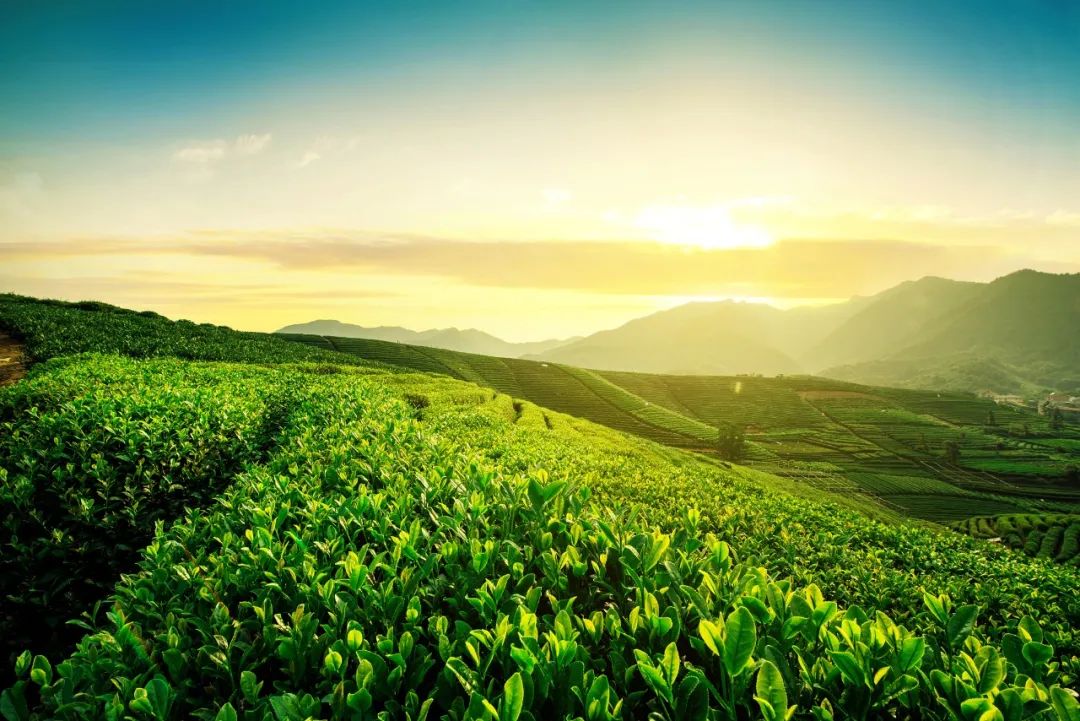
<point>533,169</point>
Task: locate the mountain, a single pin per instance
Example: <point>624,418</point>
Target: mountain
<point>1017,334</point>
<point>468,340</point>
<point>889,320</point>
<point>1025,325</point>
<point>705,338</point>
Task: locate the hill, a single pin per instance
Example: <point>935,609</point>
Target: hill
<point>882,449</point>
<point>469,340</point>
<point>1017,334</point>
<point>318,540</point>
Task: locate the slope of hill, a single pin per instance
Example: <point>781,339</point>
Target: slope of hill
<point>414,544</point>
<point>881,448</point>
<point>890,321</point>
<point>468,340</point>
<point>1020,333</point>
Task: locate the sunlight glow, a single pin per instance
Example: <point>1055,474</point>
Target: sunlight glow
<point>711,228</point>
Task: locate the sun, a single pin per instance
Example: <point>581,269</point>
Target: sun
<point>709,228</point>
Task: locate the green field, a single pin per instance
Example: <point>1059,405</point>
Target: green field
<point>322,539</point>
<point>883,448</point>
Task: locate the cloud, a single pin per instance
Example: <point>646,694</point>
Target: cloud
<point>790,268</point>
<point>251,144</point>
<point>1063,217</point>
<point>208,152</point>
<point>555,197</point>
<point>202,153</point>
<point>308,158</point>
<point>326,146</point>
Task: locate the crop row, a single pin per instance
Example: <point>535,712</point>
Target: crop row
<point>1054,536</point>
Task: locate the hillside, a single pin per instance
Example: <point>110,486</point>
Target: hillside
<point>892,320</point>
<point>469,340</point>
<point>1018,334</point>
<point>412,543</point>
<point>881,449</point>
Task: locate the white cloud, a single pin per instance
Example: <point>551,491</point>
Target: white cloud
<point>308,158</point>
<point>202,153</point>
<point>251,144</point>
<point>208,152</point>
<point>554,197</point>
<point>1063,217</point>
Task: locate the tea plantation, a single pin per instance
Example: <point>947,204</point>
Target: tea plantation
<point>317,540</point>
<point>884,449</point>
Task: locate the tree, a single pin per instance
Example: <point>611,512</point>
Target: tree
<point>952,452</point>
<point>1057,420</point>
<point>1072,475</point>
<point>731,441</point>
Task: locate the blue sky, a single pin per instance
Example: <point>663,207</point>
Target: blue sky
<point>132,131</point>
<point>113,67</point>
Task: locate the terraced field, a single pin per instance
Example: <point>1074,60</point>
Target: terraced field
<point>886,449</point>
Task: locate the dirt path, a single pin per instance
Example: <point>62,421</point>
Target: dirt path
<point>12,367</point>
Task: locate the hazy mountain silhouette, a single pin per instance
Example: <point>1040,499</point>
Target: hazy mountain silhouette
<point>468,340</point>
<point>1019,332</point>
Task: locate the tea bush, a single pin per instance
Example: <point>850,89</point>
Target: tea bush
<point>385,563</point>
<point>89,467</point>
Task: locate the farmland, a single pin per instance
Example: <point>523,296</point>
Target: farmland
<point>316,536</point>
<point>885,449</point>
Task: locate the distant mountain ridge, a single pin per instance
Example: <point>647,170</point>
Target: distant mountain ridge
<point>1019,333</point>
<point>468,340</point>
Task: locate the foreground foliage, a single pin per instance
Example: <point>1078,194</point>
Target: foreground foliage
<point>414,547</point>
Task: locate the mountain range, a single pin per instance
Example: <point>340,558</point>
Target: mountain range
<point>468,340</point>
<point>1017,334</point>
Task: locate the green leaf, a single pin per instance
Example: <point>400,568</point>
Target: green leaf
<point>712,635</point>
<point>1011,705</point>
<point>226,713</point>
<point>41,671</point>
<point>910,654</point>
<point>250,686</point>
<point>935,606</point>
<point>1030,630</point>
<point>1037,653</point>
<point>961,625</point>
<point>513,698</point>
<point>692,702</point>
<point>993,671</point>
<point>850,668</point>
<point>670,663</point>
<point>13,703</point>
<point>659,547</point>
<point>1065,704</point>
<point>770,692</point>
<point>652,676</point>
<point>741,637</point>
